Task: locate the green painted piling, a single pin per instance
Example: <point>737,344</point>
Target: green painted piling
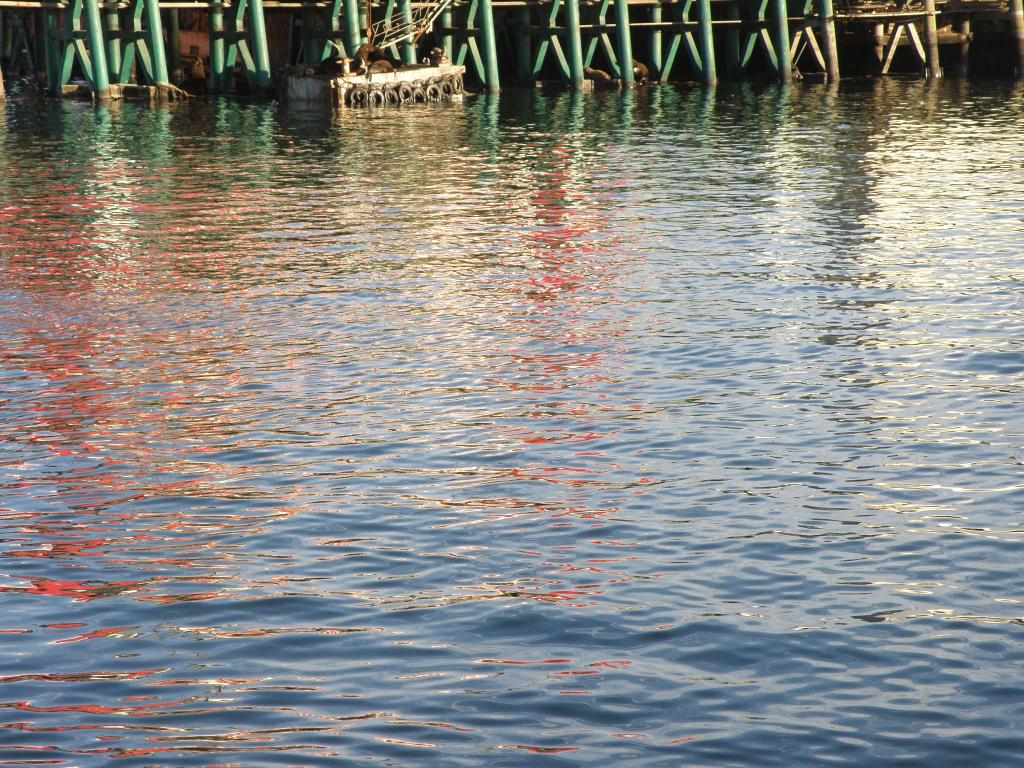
<point>260,49</point>
<point>491,46</point>
<point>130,45</point>
<point>572,32</point>
<point>783,56</point>
<point>97,50</point>
<point>6,37</point>
<point>334,42</point>
<point>155,39</point>
<point>828,35</point>
<point>39,29</point>
<point>51,48</point>
<point>405,18</point>
<point>624,42</point>
<point>447,40</point>
<point>112,24</point>
<point>66,53</point>
<point>656,42</point>
<point>7,27</point>
<point>524,47</point>
<point>353,35</point>
<point>217,53</point>
<point>733,56</point>
<point>708,72</point>
<point>309,51</point>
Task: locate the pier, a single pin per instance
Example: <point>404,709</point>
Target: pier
<point>159,48</point>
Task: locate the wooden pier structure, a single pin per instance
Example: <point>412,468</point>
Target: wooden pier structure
<point>116,48</point>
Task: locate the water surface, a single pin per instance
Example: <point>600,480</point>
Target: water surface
<point>653,430</point>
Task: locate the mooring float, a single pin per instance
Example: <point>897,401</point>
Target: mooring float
<point>373,79</point>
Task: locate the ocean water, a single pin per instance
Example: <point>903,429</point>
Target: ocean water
<point>659,429</point>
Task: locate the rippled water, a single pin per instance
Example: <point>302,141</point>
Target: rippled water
<point>654,431</point>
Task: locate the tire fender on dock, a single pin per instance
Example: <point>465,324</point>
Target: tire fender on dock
<point>359,96</point>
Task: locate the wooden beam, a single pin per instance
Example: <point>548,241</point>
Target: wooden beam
<point>915,43</point>
<point>894,40</point>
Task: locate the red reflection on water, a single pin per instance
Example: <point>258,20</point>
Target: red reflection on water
<point>106,392</point>
<point>110,632</point>
<point>58,549</point>
<point>80,591</point>
<point>190,597</point>
<point>617,664</point>
<point>96,709</point>
<point>76,677</point>
<point>518,662</point>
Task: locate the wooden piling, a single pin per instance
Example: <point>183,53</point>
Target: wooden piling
<point>2,94</point>
<point>878,32</point>
<point>1017,22</point>
<point>174,44</point>
<point>828,34</point>
<point>963,63</point>
<point>931,42</point>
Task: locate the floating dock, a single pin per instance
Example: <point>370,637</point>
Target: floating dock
<point>111,48</point>
<point>422,83</point>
